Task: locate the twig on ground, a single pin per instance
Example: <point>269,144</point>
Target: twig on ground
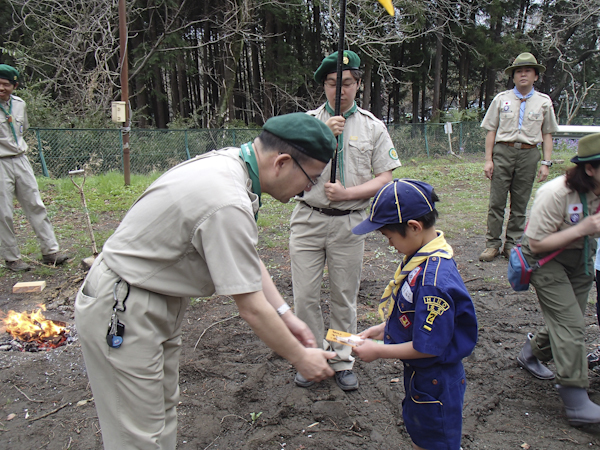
<point>212,325</point>
<point>49,413</point>
<point>26,396</point>
<point>471,279</point>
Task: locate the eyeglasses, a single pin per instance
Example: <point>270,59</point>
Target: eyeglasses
<point>312,181</point>
<point>345,84</point>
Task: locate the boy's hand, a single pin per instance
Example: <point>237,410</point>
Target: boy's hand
<point>367,350</point>
<point>375,332</point>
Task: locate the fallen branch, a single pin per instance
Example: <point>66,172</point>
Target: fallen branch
<point>49,413</point>
<point>210,326</point>
<point>31,400</point>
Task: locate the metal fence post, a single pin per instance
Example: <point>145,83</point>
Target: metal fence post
<point>41,152</point>
<point>460,137</point>
<point>426,141</point>
<point>187,148</point>
<point>122,154</point>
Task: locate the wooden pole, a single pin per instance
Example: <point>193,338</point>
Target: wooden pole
<point>124,88</point>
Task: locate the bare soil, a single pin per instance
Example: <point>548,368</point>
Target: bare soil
<point>238,394</point>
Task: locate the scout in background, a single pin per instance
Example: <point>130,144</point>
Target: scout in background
<point>564,216</point>
<point>430,322</point>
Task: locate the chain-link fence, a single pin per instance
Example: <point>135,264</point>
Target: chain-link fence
<point>54,152</point>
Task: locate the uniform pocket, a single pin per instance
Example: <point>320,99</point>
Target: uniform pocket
<point>359,157</point>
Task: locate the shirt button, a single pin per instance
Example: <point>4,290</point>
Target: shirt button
<point>416,397</point>
<point>462,381</point>
<point>387,336</point>
<point>434,381</point>
<point>402,305</point>
<point>434,258</point>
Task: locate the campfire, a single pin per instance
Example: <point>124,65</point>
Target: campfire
<point>31,331</point>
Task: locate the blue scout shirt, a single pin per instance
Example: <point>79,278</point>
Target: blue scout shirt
<point>434,310</point>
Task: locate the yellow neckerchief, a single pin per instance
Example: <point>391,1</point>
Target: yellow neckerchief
<point>437,247</point>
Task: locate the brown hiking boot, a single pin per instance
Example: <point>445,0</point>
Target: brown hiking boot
<point>55,259</point>
<point>17,266</point>
<point>489,254</point>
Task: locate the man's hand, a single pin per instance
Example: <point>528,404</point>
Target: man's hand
<point>336,125</point>
<point>543,173</point>
<point>313,364</point>
<point>488,169</point>
<point>336,192</point>
<point>299,329</point>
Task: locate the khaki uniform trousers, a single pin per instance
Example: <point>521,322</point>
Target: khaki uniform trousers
<point>562,288</point>
<point>135,386</point>
<point>17,179</point>
<point>514,173</point>
<point>316,238</point>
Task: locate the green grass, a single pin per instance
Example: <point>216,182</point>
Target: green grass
<point>460,184</point>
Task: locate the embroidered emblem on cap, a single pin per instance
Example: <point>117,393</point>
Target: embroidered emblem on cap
<point>346,60</point>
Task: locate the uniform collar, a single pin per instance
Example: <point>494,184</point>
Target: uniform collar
<point>249,157</point>
<point>346,114</point>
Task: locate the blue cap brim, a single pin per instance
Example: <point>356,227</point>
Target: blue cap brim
<point>366,226</point>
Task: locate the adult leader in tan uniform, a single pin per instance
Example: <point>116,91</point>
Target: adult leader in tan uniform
<point>17,179</point>
<point>516,122</point>
<point>322,222</point>
<point>192,233</point>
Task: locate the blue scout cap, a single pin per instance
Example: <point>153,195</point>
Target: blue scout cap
<point>9,73</point>
<point>397,202</point>
<point>305,133</point>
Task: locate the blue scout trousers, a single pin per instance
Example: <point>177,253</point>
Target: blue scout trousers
<point>432,408</point>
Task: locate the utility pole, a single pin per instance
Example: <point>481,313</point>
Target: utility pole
<point>124,88</point>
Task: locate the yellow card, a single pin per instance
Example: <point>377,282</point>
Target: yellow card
<point>342,337</point>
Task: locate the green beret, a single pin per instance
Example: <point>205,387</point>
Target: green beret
<point>350,61</point>
<point>588,149</point>
<point>9,73</point>
<point>305,133</point>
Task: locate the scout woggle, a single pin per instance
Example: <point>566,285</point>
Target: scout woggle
<point>116,330</point>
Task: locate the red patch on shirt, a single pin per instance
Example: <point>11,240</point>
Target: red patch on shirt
<point>405,321</point>
<point>412,276</point>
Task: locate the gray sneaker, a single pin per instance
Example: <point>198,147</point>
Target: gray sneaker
<point>346,380</point>
<point>17,266</point>
<point>301,381</point>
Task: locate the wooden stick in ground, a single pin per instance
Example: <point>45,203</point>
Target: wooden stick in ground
<point>85,208</point>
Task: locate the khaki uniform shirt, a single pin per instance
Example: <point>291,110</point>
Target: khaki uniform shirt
<point>193,232</point>
<point>503,118</point>
<point>556,208</point>
<point>8,146</point>
<point>368,150</point>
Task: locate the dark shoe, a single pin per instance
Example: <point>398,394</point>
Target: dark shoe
<point>527,361</point>
<point>301,381</point>
<point>489,254</point>
<point>593,358</point>
<point>17,266</point>
<point>346,380</point>
<point>578,406</point>
<point>55,259</point>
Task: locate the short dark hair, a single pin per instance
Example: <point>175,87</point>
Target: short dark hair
<point>579,180</point>
<point>272,143</point>
<point>357,74</point>
<point>428,220</point>
<point>537,71</point>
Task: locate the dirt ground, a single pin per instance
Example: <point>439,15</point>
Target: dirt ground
<point>237,394</point>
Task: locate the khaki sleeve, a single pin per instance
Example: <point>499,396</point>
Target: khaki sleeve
<point>547,214</point>
<point>491,120</point>
<point>550,124</point>
<point>385,156</point>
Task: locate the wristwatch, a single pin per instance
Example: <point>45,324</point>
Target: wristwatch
<point>546,163</point>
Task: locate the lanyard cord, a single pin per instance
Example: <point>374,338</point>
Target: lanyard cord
<point>9,119</point>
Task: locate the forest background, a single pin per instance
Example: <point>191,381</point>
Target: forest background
<point>235,63</point>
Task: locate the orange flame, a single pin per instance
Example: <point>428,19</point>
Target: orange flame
<point>32,326</point>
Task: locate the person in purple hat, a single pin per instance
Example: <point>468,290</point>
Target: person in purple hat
<point>428,316</point>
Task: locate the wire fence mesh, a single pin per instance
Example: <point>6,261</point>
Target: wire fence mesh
<point>54,152</point>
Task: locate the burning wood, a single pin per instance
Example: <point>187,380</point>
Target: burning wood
<point>34,328</point>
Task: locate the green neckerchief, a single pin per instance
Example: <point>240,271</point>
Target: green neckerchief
<point>247,154</point>
<point>10,120</point>
<point>340,140</point>
<point>586,239</point>
<point>437,247</point>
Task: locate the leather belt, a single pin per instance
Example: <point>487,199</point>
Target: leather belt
<point>517,144</point>
<point>330,211</point>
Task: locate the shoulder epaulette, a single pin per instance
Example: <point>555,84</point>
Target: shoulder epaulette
<point>430,273</point>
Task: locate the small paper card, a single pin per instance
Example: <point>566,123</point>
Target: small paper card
<point>342,337</point>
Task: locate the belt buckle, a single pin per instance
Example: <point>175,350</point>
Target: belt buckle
<point>517,145</point>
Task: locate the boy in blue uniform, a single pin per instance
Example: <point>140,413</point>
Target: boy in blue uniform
<point>429,316</point>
